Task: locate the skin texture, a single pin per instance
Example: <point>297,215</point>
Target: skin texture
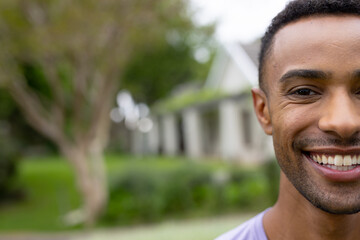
<point>312,105</point>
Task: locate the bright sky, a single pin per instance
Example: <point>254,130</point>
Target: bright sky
<point>238,20</point>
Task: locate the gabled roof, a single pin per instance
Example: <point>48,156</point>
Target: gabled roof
<point>245,56</point>
<point>252,51</point>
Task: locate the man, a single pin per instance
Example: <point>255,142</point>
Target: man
<point>309,101</point>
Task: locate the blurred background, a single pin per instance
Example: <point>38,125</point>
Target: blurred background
<point>130,119</point>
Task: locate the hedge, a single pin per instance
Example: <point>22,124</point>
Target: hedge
<point>143,194</point>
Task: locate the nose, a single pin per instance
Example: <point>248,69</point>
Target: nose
<point>340,115</point>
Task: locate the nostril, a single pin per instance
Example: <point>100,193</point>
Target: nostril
<point>339,114</point>
<point>344,126</point>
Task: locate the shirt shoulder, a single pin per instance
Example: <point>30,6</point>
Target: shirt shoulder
<point>252,229</point>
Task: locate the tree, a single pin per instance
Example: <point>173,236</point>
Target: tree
<point>78,51</point>
<point>16,138</point>
<point>154,72</point>
<point>9,153</point>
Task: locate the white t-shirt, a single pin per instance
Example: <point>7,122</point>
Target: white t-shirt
<point>252,229</point>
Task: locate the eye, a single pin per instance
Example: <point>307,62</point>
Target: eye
<point>303,92</point>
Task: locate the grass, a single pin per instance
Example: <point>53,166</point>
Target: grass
<point>51,191</point>
<point>198,229</point>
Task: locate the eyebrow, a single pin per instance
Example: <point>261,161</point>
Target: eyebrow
<point>307,73</point>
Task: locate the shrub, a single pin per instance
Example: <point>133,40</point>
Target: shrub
<point>272,172</point>
<point>9,156</point>
<point>143,194</point>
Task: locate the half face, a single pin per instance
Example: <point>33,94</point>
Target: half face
<point>312,109</point>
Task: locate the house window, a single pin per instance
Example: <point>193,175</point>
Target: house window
<point>180,129</point>
<point>246,126</point>
<point>210,132</point>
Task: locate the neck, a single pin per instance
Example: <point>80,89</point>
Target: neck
<point>294,217</point>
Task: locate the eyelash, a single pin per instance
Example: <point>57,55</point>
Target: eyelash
<point>309,91</point>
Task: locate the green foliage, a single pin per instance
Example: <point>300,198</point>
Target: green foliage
<point>156,69</point>
<point>272,173</point>
<point>17,134</point>
<point>9,156</point>
<point>142,190</point>
<point>36,80</point>
<point>7,105</point>
<point>50,193</point>
<point>58,49</point>
<point>153,73</point>
<point>186,99</point>
<point>16,138</point>
<point>147,194</point>
<point>62,62</point>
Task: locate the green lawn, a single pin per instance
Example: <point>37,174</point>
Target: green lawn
<point>51,192</point>
<point>198,229</point>
<point>193,229</point>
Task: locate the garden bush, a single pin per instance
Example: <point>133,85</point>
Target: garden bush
<point>142,189</point>
<point>9,156</point>
<point>148,194</point>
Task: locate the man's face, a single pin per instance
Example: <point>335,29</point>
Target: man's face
<point>312,109</point>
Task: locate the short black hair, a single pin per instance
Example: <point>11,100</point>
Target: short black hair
<point>296,10</point>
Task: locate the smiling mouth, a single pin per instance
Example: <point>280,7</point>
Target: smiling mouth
<point>336,161</point>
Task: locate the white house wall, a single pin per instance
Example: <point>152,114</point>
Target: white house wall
<point>234,145</point>
<point>170,138</point>
<point>217,69</point>
<point>192,135</point>
<point>263,145</point>
<point>153,137</point>
<point>209,131</point>
<point>137,139</point>
<point>233,79</point>
<point>243,62</point>
<point>229,130</point>
<point>233,72</point>
<point>248,151</point>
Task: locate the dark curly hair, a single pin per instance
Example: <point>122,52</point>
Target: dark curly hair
<point>297,9</point>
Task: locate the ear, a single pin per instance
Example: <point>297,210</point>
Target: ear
<point>261,108</point>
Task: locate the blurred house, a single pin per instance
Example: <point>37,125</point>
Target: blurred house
<point>215,121</point>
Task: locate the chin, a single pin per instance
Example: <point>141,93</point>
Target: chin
<point>336,210</point>
<point>338,205</point>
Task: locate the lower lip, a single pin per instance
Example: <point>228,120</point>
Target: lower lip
<point>336,175</point>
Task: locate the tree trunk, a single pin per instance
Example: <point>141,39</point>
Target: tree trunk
<point>91,180</point>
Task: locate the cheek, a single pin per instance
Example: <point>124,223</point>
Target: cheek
<point>287,127</point>
<point>289,123</point>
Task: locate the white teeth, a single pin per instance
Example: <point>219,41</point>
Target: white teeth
<point>353,160</point>
<point>324,159</point>
<point>338,160</point>
<point>340,168</point>
<point>347,160</point>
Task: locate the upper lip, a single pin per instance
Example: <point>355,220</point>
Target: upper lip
<point>333,150</point>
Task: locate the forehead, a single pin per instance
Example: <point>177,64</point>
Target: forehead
<point>315,42</point>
